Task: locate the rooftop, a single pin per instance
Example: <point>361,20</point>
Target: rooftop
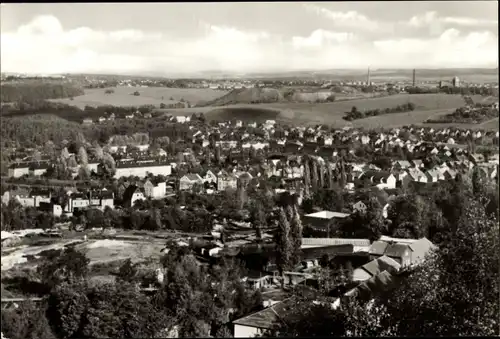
<point>309,242</point>
<point>327,215</point>
<point>268,317</point>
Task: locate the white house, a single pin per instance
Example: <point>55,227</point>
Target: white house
<point>189,180</point>
<point>182,119</point>
<point>155,190</point>
<point>18,170</point>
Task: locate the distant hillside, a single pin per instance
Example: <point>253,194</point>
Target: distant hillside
<point>31,92</point>
<point>257,114</point>
<point>247,96</point>
<point>269,96</point>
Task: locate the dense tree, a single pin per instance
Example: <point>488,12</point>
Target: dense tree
<point>460,284</point>
<point>68,266</point>
<point>295,233</point>
<point>28,321</point>
<point>307,180</point>
<point>366,225</point>
<point>284,247</point>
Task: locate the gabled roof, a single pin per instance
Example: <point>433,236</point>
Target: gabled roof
<point>380,282</point>
<point>268,317</point>
<point>384,263</point>
<point>396,250</point>
<point>378,247</point>
<point>334,242</point>
<point>327,215</point>
<point>193,177</point>
<point>422,245</point>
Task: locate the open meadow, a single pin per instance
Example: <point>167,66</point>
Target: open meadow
<point>427,106</point>
<point>123,96</point>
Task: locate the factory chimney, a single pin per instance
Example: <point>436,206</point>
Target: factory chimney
<point>414,78</point>
<point>368,83</point>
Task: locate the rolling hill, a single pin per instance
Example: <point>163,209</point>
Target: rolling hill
<point>247,96</point>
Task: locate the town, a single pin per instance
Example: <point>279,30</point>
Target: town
<point>357,202</point>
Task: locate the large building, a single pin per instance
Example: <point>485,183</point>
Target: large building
<point>455,82</point>
<point>142,168</point>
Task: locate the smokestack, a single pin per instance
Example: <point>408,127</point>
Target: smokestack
<point>368,78</point>
<point>414,78</point>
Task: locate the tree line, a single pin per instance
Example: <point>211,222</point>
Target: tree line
<point>453,293</point>
<point>355,114</point>
<point>191,300</point>
<point>36,92</point>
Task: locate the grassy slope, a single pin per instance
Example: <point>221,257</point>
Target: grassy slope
<point>149,96</point>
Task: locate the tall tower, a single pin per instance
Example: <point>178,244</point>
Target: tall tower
<point>414,78</point>
<point>368,77</point>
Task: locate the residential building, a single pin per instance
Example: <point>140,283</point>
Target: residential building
<point>132,194</point>
<point>39,168</point>
<point>375,267</point>
<point>260,322</point>
<point>209,177</point>
<point>142,168</point>
<point>358,245</point>
<point>406,252</point>
<point>322,219</point>
<point>225,181</point>
<point>18,170</point>
<point>154,189</point>
<point>189,180</point>
<point>359,207</point>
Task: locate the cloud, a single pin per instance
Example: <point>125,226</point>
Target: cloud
<point>45,46</point>
<point>350,19</point>
<point>450,49</point>
<point>432,18</point>
<point>320,38</point>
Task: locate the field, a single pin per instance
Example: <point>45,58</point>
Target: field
<point>148,96</point>
<point>427,105</point>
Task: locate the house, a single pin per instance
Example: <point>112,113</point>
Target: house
<point>415,174</point>
<point>322,219</point>
<point>106,198</point>
<point>260,322</point>
<point>116,149</point>
<point>434,175</point>
<point>92,199</point>
<point>382,282</point>
<point>257,280</point>
<point>87,121</point>
<point>131,195</point>
<point>225,181</point>
<point>51,208</point>
<point>77,201</point>
<point>359,207</point>
<point>380,179</point>
<point>18,170</point>
<point>189,180</point>
<point>38,168</point>
<point>401,164</point>
<point>406,252</point>
<point>375,267</point>
<point>21,195</point>
<point>476,158</point>
<point>182,119</point>
<point>209,177</point>
<point>417,163</point>
<point>154,189</point>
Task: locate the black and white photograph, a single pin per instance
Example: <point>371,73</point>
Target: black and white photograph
<point>249,169</point>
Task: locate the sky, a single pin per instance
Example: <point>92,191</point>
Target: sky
<point>129,38</point>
